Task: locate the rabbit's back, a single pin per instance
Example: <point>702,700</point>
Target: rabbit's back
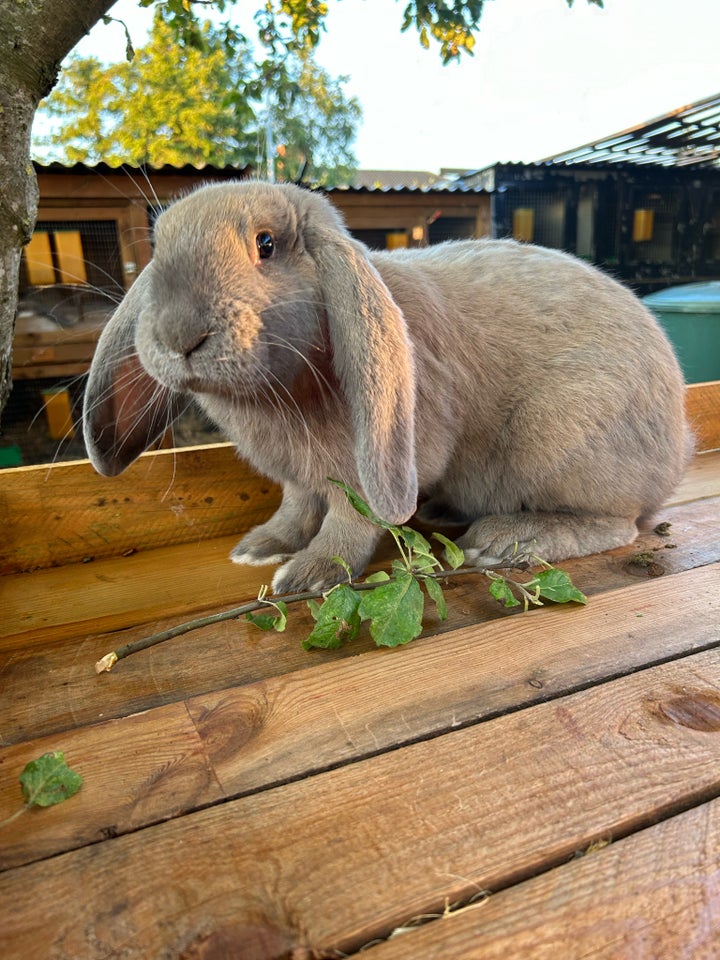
<point>559,386</point>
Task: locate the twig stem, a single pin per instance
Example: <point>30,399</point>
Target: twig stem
<point>106,663</point>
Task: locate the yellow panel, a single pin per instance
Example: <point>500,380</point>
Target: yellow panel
<point>58,413</point>
<point>395,241</point>
<point>39,261</point>
<point>71,261</point>
<point>523,224</point>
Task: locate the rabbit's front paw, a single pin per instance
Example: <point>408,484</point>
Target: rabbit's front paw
<point>307,572</point>
<point>258,550</point>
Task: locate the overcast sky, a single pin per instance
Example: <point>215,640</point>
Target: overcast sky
<point>544,78</point>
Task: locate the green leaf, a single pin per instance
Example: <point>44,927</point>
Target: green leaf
<point>48,780</point>
<point>315,607</point>
<point>436,594</point>
<point>394,610</point>
<point>381,576</point>
<point>338,620</point>
<point>270,621</point>
<point>416,541</point>
<point>500,589</point>
<point>345,565</point>
<point>357,503</point>
<point>422,559</point>
<point>453,554</point>
<point>557,586</point>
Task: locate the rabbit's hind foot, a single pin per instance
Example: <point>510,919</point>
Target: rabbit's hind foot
<point>516,540</point>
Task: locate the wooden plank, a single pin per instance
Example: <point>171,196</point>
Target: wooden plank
<point>111,594</point>
<point>57,353</point>
<point>702,405</point>
<point>60,604</point>
<point>143,769</point>
<point>65,512</point>
<point>338,859</point>
<point>300,723</point>
<point>701,480</point>
<point>234,652</point>
<point>32,331</point>
<point>50,371</point>
<point>118,592</point>
<point>652,895</point>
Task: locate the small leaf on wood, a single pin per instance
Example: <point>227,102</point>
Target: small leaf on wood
<point>270,621</point>
<point>48,780</point>
<point>394,610</point>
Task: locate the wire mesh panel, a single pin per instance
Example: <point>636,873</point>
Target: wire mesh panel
<point>74,253</point>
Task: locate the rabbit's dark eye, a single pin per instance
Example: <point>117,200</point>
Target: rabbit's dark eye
<point>265,243</point>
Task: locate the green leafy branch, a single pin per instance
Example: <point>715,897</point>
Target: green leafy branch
<point>393,603</point>
<point>45,782</point>
<point>395,607</point>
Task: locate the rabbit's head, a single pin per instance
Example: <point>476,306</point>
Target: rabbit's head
<point>246,281</point>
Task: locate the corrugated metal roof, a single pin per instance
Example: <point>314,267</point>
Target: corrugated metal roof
<point>167,169</point>
<point>686,137</point>
<point>407,181</point>
<point>366,181</point>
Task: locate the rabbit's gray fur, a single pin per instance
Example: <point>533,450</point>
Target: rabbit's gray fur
<point>511,385</point>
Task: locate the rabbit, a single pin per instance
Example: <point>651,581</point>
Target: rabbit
<point>512,388</point>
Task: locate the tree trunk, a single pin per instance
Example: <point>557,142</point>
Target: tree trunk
<point>35,36</point>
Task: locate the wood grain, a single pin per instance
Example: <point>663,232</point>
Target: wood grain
<point>184,579</point>
<point>65,512</point>
<point>652,895</point>
<point>339,859</point>
<point>235,653</point>
<point>702,405</point>
<point>143,769</point>
<point>248,738</point>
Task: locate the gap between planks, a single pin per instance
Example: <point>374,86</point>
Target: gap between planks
<point>652,894</point>
<point>480,808</point>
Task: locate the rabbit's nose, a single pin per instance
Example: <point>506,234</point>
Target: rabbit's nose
<point>191,344</point>
<point>181,339</point>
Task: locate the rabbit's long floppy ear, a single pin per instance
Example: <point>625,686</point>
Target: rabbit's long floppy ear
<point>373,360</point>
<point>124,410</point>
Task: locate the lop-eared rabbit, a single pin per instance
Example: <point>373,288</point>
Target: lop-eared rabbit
<point>512,387</point>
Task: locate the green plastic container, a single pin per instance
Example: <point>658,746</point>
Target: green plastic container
<point>690,315</point>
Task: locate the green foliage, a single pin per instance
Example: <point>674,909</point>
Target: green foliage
<point>394,604</point>
<point>46,782</point>
<point>194,94</point>
<point>288,25</point>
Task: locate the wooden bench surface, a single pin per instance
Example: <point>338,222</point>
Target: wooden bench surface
<point>541,784</point>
